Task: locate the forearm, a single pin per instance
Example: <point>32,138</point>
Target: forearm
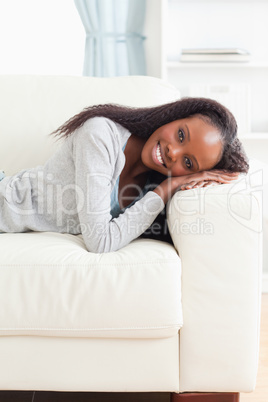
<point>167,188</point>
<point>102,235</point>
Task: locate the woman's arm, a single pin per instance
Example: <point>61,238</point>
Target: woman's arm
<point>96,151</point>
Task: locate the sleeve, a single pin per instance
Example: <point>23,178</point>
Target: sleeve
<point>95,153</point>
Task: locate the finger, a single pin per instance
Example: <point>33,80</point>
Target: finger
<point>225,173</point>
<point>193,184</point>
<point>221,178</point>
<point>200,184</point>
<point>212,183</point>
<point>188,185</point>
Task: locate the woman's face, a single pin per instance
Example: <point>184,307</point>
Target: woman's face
<point>183,147</point>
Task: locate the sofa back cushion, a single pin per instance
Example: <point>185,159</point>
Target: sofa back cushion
<point>34,106</point>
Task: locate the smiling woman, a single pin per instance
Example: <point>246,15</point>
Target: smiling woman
<point>212,126</point>
<point>117,168</point>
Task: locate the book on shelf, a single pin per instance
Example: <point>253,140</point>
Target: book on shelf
<point>215,55</point>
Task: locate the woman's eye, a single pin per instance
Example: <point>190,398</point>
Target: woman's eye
<point>188,163</point>
<point>181,135</point>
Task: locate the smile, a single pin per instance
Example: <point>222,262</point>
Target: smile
<point>158,156</point>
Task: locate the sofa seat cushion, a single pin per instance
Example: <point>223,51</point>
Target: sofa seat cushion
<point>50,285</point>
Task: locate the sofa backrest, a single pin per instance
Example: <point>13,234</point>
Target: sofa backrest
<point>34,106</point>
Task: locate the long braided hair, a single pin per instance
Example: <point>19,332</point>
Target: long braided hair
<point>144,121</point>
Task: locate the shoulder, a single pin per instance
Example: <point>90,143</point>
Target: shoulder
<point>99,139</point>
<point>99,122</point>
<point>103,124</point>
<point>101,130</point>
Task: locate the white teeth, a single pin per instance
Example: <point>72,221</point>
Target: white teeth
<point>158,155</point>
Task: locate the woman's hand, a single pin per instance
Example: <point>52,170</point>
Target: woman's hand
<point>201,179</point>
<point>205,183</point>
<point>209,178</point>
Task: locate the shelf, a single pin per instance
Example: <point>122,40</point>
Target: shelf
<point>218,1</point>
<point>253,136</point>
<point>179,64</point>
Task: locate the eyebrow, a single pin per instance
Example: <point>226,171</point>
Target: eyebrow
<point>189,139</point>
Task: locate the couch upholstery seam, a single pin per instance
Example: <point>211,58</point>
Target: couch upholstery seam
<point>97,265</point>
<point>89,329</point>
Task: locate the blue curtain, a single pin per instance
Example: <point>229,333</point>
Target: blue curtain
<point>114,39</point>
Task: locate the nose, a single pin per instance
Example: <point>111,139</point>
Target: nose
<point>172,152</point>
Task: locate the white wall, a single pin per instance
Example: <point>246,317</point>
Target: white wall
<point>155,39</point>
<point>41,37</point>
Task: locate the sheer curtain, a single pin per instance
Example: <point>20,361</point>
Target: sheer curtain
<point>114,39</point>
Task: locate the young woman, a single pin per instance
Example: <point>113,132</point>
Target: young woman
<point>118,166</point>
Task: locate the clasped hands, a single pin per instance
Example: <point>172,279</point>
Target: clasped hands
<point>208,178</point>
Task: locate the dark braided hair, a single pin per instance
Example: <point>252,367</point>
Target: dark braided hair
<point>144,121</point>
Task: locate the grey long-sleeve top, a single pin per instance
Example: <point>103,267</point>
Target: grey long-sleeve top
<point>71,193</point>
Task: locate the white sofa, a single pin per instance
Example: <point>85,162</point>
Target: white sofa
<point>148,318</point>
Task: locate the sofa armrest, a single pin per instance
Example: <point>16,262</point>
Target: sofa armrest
<point>217,232</point>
